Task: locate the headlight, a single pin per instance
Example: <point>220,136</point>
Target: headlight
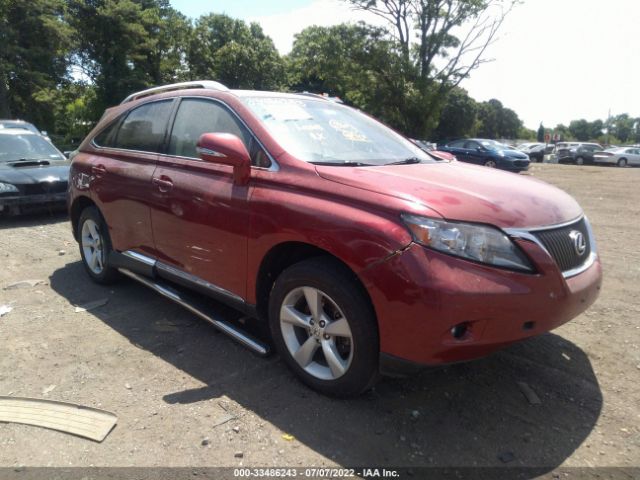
<point>8,188</point>
<point>473,242</point>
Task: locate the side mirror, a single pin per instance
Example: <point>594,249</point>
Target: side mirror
<point>480,149</point>
<point>227,149</point>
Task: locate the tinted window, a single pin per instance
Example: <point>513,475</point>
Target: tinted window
<point>457,144</point>
<point>107,137</point>
<point>196,117</point>
<point>144,127</point>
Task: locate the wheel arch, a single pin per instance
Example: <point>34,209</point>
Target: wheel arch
<point>282,256</point>
<point>78,205</point>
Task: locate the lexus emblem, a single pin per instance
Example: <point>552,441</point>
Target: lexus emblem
<point>579,242</point>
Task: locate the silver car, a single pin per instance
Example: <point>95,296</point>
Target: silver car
<point>620,156</point>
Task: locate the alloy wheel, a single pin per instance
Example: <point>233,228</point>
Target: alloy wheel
<point>490,164</point>
<point>92,246</point>
<point>316,333</point>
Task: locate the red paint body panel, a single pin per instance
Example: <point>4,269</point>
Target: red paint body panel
<point>420,295</point>
<point>220,231</point>
<point>459,191</point>
<point>201,224</point>
<point>123,192</point>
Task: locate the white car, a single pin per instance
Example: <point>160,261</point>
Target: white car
<point>620,156</point>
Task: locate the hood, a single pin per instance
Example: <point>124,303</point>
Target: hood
<point>57,170</point>
<point>459,191</point>
<point>515,154</point>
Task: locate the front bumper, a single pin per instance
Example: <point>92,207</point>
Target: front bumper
<point>19,203</point>
<point>420,295</point>
<point>512,166</point>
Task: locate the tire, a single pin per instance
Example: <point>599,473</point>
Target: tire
<point>489,163</point>
<point>95,245</point>
<point>622,162</point>
<point>579,161</point>
<point>350,365</point>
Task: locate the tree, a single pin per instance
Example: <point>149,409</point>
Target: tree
<point>580,130</point>
<point>440,43</point>
<point>496,121</point>
<point>358,64</point>
<point>235,54</point>
<point>33,58</point>
<point>540,134</point>
<point>458,117</point>
<point>127,45</point>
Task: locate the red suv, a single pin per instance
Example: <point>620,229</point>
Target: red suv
<point>362,253</point>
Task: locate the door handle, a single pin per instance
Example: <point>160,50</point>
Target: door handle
<point>163,184</point>
<point>98,170</point>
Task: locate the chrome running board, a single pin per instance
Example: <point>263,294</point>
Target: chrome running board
<point>190,304</point>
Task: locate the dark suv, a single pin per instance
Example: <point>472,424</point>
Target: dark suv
<point>577,153</point>
<point>358,251</point>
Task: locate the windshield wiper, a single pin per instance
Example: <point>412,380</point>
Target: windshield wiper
<point>344,164</point>
<point>406,161</point>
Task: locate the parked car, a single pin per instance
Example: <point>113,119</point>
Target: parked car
<point>33,173</point>
<point>360,252</point>
<point>488,153</point>
<point>620,156</point>
<point>576,152</point>
<point>24,125</point>
<point>430,148</point>
<point>535,151</point>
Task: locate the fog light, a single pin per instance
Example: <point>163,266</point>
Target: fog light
<point>459,330</point>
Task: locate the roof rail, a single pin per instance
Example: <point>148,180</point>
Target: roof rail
<point>208,84</point>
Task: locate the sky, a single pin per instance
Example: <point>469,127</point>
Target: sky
<point>554,60</point>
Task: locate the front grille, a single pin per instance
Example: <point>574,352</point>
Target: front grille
<point>521,163</point>
<point>561,246</point>
<point>44,188</point>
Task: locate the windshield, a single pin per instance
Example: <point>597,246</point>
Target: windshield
<point>26,146</point>
<point>320,131</point>
<point>23,125</point>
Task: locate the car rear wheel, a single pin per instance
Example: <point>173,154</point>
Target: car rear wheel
<point>490,163</point>
<point>579,161</point>
<point>622,162</point>
<point>95,246</point>
<point>324,328</point>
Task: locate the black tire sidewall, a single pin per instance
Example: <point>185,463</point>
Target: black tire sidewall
<point>336,282</point>
<point>108,274</point>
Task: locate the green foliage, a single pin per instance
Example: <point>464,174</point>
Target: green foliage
<point>238,55</point>
<point>496,121</point>
<point>34,50</point>
<point>62,62</point>
<point>123,45</point>
<point>458,117</point>
<point>528,134</point>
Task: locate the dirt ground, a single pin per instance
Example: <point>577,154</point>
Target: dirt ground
<point>188,396</point>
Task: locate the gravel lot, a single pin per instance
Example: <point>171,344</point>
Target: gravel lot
<point>187,396</point>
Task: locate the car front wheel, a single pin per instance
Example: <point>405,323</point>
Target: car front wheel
<point>323,326</point>
<point>622,162</point>
<point>490,163</point>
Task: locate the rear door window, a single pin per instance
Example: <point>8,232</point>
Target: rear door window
<point>457,144</point>
<point>144,128</point>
